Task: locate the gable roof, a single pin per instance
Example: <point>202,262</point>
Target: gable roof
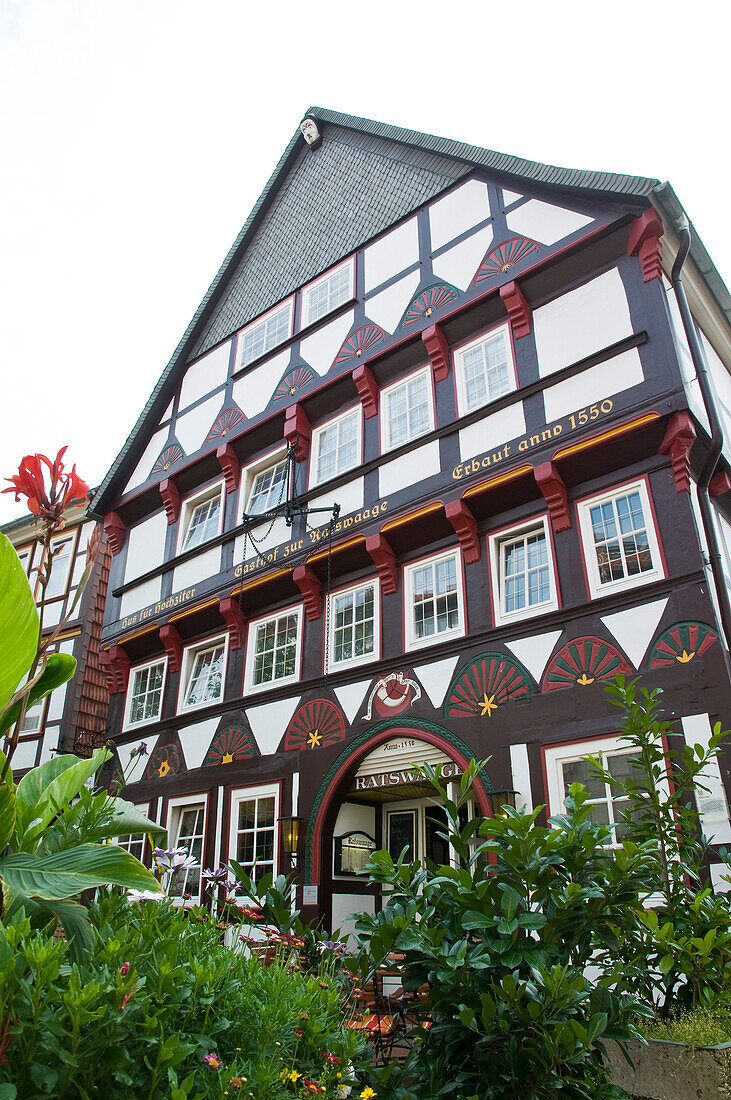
<point>317,208</point>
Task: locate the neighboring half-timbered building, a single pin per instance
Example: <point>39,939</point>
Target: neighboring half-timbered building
<point>422,474</point>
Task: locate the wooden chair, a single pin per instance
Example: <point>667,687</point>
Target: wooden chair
<point>381,1016</point>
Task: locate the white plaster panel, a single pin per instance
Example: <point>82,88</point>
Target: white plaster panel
<point>25,754</point>
<point>414,466</point>
<point>533,652</point>
<point>348,496</point>
<point>351,696</point>
<point>387,308</point>
<point>52,613</point>
<point>544,222</point>
<point>458,265</point>
<point>593,385</point>
<point>457,212</point>
<point>49,745</point>
<point>55,704</point>
<point>510,197</point>
<point>635,628</point>
<point>139,596</point>
<point>143,467</point>
<point>712,804</point>
<point>395,252</point>
<point>520,769</point>
<point>79,567</point>
<point>269,721</point>
<point>345,904</point>
<point>168,413</point>
<point>492,431</point>
<point>581,322</point>
<point>355,815</point>
<point>270,534</point>
<point>145,546</point>
<point>320,349</point>
<point>252,392</point>
<point>192,429</point>
<point>720,877</point>
<point>435,678</point>
<point>721,388</point>
<point>195,740</point>
<point>199,568</point>
<point>133,768</point>
<point>206,375</point>
<point>295,792</point>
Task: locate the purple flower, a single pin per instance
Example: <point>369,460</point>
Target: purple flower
<point>213,1061</point>
<point>141,749</point>
<point>172,859</point>
<point>219,876</point>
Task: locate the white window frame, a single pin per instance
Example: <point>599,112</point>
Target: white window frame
<point>462,350</point>
<point>496,541</point>
<point>189,655</point>
<point>286,306</point>
<point>410,639</point>
<point>173,814</point>
<point>355,411</point>
<point>70,539</point>
<point>41,707</point>
<point>250,686</point>
<point>127,723</point>
<point>596,588</point>
<point>352,590</point>
<point>247,794</point>
<point>25,555</point>
<point>188,508</point>
<point>384,397</point>
<point>250,474</point>
<point>125,840</point>
<point>307,292</point>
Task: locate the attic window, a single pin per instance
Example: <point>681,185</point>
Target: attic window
<point>268,332</point>
<point>327,293</point>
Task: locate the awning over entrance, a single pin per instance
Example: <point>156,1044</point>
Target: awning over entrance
<point>392,771</point>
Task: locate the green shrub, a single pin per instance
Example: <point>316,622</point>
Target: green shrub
<point>705,1027</point>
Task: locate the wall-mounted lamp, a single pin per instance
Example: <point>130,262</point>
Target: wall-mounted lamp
<point>289,831</point>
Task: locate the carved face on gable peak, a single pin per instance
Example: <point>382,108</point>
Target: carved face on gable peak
<point>310,132</point>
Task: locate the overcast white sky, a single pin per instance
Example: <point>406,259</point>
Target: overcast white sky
<point>137,135</point>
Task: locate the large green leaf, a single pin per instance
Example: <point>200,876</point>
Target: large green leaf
<point>7,814</point>
<point>74,918</point>
<point>18,622</point>
<point>44,798</point>
<point>126,819</point>
<point>60,667</point>
<point>65,874</point>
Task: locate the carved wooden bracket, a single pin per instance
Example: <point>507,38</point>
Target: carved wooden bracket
<point>115,664</point>
<point>311,589</point>
<point>551,485</point>
<point>115,529</point>
<point>437,348</point>
<point>384,560</point>
<point>644,241</point>
<point>678,441</point>
<point>367,388</point>
<point>229,463</point>
<point>170,498</point>
<point>720,483</point>
<point>297,431</point>
<point>173,646</point>
<point>461,518</point>
<point>518,309</point>
<point>230,609</point>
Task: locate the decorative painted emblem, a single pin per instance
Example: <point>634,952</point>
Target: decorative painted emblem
<point>167,458</point>
<point>358,343</point>
<point>232,743</point>
<point>484,684</point>
<point>316,725</point>
<point>292,381</point>
<point>392,695</point>
<point>504,256</point>
<point>225,422</point>
<point>584,661</point>
<point>429,300</point>
<point>681,642</point>
<point>164,761</point>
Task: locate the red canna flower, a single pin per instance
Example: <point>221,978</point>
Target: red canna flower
<point>64,488</point>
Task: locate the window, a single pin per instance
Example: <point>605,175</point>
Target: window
<point>354,625</point>
<point>327,293</point>
<point>186,828</point>
<point>252,843</point>
<point>203,669</point>
<point>567,764</point>
<point>336,447</point>
<point>406,410</point>
<point>201,518</point>
<point>620,542</point>
<point>61,550</point>
<point>434,600</point>
<point>25,556</point>
<point>485,370</point>
<point>144,693</point>
<point>273,649</point>
<point>267,487</point>
<point>32,719</point>
<point>266,333</point>
<point>522,572</point>
<point>134,843</point>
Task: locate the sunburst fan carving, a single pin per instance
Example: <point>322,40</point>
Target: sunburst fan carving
<point>427,302</point>
<point>584,661</point>
<point>315,725</point>
<point>167,458</point>
<point>504,256</point>
<point>232,743</point>
<point>225,423</point>
<point>484,684</point>
<point>359,342</point>
<point>293,381</point>
<point>680,643</point>
<point>164,761</point>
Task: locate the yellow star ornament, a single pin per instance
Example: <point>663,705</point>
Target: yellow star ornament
<point>487,706</point>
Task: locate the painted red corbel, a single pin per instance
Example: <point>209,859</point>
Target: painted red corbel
<point>170,498</point>
<point>230,609</point>
<point>551,485</point>
<point>229,463</point>
<point>437,348</point>
<point>644,241</point>
<point>115,663</point>
<point>384,560</point>
<point>311,590</point>
<point>678,441</point>
<point>461,518</point>
<point>367,388</point>
<point>297,431</point>
<point>518,309</point>
<point>115,529</point>
<point>173,646</point>
<point>720,483</point>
